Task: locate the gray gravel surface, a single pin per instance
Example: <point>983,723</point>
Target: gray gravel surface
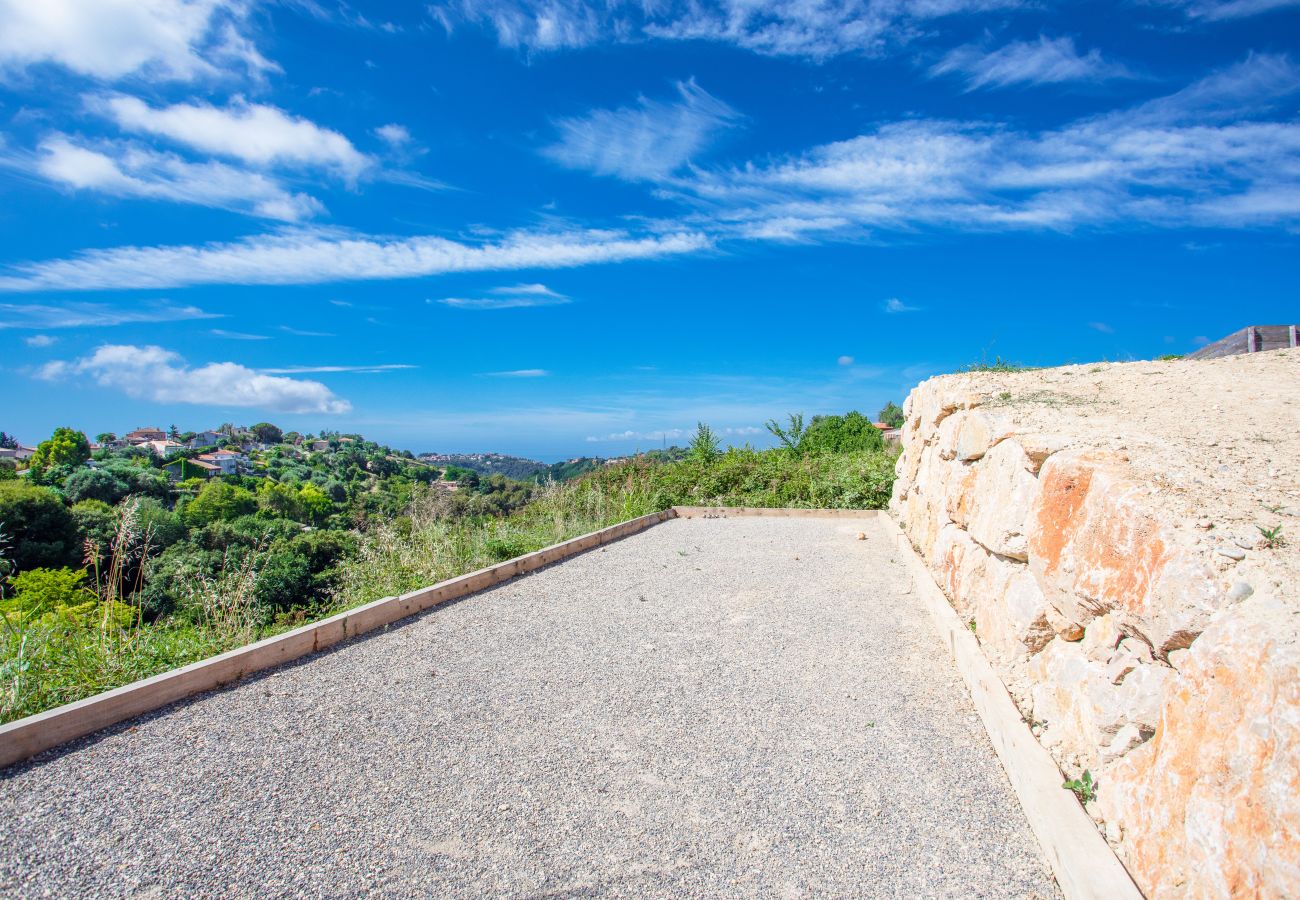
<point>750,707</point>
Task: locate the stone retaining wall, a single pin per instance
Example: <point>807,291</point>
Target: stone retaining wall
<point>1138,646</point>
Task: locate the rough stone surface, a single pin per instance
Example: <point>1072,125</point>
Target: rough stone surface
<point>744,707</point>
<point>1100,527</point>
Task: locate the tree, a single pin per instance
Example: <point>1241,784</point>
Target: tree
<point>219,501</point>
<point>266,433</point>
<point>39,528</point>
<point>705,446</point>
<point>891,415</point>
<point>96,521</point>
<point>790,438</point>
<point>105,437</point>
<point>279,500</point>
<point>95,484</point>
<point>841,434</point>
<point>66,447</point>
<point>8,441</point>
<point>315,504</point>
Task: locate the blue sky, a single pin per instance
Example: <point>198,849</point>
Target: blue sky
<point>558,228</point>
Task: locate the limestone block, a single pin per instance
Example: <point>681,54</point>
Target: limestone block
<point>1082,712</point>
<point>1011,619</point>
<point>1210,807</point>
<point>1095,546</point>
<point>1102,637</point>
<point>1002,493</point>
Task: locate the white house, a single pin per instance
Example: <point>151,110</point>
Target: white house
<point>228,462</point>
<point>163,448</point>
<point>203,439</point>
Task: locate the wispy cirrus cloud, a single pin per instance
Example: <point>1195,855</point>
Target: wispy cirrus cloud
<point>172,40</point>
<point>520,373</point>
<point>163,376</point>
<point>648,141</point>
<point>1219,10</point>
<point>361,369</point>
<point>124,169</point>
<point>40,340</point>
<point>94,315</point>
<point>1202,156</point>
<point>253,133</point>
<point>314,257</point>
<point>1045,61</point>
<point>237,335</point>
<point>769,27</point>
<point>894,305</point>
<point>517,296</point>
<point>298,332</point>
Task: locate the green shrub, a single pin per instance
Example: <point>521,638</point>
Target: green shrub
<point>220,500</point>
<point>40,529</point>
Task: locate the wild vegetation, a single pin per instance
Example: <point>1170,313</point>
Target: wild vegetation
<point>119,571</point>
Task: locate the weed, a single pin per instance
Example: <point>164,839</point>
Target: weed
<point>1084,787</point>
<point>1273,538</point>
<point>998,364</point>
<point>971,626</point>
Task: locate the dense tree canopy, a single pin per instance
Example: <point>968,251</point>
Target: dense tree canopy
<point>891,414</point>
<point>267,433</point>
<point>66,447</point>
<point>39,528</point>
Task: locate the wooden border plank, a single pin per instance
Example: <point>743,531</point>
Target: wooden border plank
<point>1085,866</point>
<point>739,512</point>
<point>26,737</point>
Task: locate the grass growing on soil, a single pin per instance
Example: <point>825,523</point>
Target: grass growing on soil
<point>56,648</point>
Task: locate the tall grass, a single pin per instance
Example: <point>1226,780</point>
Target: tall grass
<point>51,654</point>
<point>428,546</point>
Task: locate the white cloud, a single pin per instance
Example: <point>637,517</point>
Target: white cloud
<point>527,290</point>
<point>394,135</point>
<point>1102,327</point>
<point>108,39</point>
<point>40,340</point>
<point>301,333</point>
<point>520,373</point>
<point>253,133</point>
<point>649,141</point>
<point>162,376</point>
<point>368,370</point>
<point>82,315</point>
<point>670,434</point>
<point>1198,157</point>
<point>1045,61</point>
<point>845,361</point>
<point>237,335</point>
<point>314,257</point>
<point>1215,10</point>
<point>125,170</point>
<point>771,27</point>
<point>894,305</point>
<point>516,297</point>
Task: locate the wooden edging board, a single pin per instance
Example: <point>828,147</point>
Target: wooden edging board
<point>24,738</point>
<point>1085,866</point>
<point>740,512</point>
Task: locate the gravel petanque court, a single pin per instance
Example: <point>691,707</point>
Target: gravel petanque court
<point>713,707</point>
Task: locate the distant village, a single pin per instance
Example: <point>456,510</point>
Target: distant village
<point>221,452</point>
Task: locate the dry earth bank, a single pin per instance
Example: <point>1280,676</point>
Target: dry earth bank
<point>1102,528</point>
